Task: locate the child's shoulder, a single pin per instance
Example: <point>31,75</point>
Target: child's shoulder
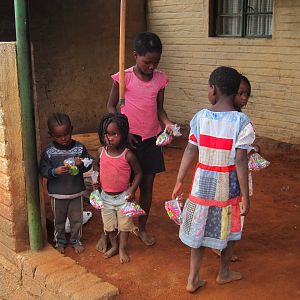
<point>244,118</point>
<point>128,153</point>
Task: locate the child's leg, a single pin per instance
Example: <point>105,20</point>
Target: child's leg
<point>60,209</point>
<point>218,252</point>
<point>194,282</point>
<point>110,224</point>
<point>103,243</point>
<point>225,275</point>
<point>123,250</point>
<point>113,237</point>
<point>75,212</point>
<point>146,190</point>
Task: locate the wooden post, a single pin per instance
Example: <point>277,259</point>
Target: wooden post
<point>122,53</point>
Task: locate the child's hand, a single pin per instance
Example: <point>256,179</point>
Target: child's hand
<point>245,206</point>
<point>132,141</point>
<point>61,170</point>
<point>177,191</point>
<point>78,161</point>
<point>169,128</point>
<point>96,186</point>
<point>130,196</point>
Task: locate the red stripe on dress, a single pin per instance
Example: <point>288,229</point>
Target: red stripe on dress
<point>215,143</point>
<point>218,203</point>
<point>193,138</point>
<point>216,168</point>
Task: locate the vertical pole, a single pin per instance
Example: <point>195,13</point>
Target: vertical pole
<point>28,124</point>
<point>122,53</point>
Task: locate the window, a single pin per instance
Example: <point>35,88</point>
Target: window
<point>243,18</point>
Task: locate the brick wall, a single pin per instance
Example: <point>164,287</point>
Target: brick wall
<point>272,65</point>
<point>13,217</point>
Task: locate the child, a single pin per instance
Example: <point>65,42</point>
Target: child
<point>244,93</point>
<point>116,164</point>
<point>65,190</point>
<point>144,108</point>
<point>240,101</point>
<point>212,212</point>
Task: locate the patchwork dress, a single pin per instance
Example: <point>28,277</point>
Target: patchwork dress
<point>211,215</point>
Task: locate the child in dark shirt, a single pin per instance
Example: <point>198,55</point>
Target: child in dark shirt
<point>65,190</point>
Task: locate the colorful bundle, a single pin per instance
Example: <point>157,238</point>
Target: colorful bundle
<point>173,210</point>
<point>165,138</point>
<point>70,163</point>
<point>257,162</point>
<point>132,209</point>
<point>95,199</point>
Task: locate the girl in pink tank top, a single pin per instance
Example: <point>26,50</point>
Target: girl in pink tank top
<point>116,165</point>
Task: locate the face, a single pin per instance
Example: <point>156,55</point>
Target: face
<point>148,63</point>
<point>113,136</point>
<point>62,134</point>
<point>242,97</point>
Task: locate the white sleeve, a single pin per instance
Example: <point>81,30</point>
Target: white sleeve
<point>246,137</point>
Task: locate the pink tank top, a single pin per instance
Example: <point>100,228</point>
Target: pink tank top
<point>114,172</point>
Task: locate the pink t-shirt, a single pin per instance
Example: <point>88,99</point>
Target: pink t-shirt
<point>141,102</point>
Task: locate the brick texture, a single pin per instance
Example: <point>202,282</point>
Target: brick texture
<point>272,65</point>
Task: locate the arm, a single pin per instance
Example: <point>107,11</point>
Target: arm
<point>47,170</point>
<point>79,163</point>
<point>135,167</point>
<point>161,113</point>
<point>188,156</point>
<point>241,162</point>
<point>113,99</point>
<point>96,162</point>
<point>112,104</point>
<point>96,167</point>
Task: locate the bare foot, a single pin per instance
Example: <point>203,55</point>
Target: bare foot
<point>124,257</point>
<point>218,253</point>
<point>232,276</point>
<point>194,285</point>
<point>60,249</point>
<point>111,252</point>
<point>148,240</point>
<point>78,249</point>
<point>102,243</point>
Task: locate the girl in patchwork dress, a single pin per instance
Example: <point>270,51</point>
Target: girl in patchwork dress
<point>219,195</point>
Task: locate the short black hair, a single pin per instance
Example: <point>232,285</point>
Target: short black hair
<point>147,42</point>
<point>122,123</point>
<point>58,119</point>
<point>226,79</point>
<point>245,79</point>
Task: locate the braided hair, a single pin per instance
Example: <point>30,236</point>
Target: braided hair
<point>58,119</point>
<point>121,121</point>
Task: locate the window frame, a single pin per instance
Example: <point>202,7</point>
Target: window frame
<point>214,18</point>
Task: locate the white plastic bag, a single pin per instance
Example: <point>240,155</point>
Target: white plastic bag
<point>85,216</point>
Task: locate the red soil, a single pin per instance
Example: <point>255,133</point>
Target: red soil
<point>268,252</point>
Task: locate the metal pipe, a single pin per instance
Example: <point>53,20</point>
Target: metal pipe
<point>28,124</point>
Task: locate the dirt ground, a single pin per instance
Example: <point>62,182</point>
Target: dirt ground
<point>268,252</point>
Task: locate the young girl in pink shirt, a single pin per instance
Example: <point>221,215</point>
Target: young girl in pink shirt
<point>144,107</point>
<point>116,165</point>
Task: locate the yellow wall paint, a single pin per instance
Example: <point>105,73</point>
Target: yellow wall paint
<point>272,65</point>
